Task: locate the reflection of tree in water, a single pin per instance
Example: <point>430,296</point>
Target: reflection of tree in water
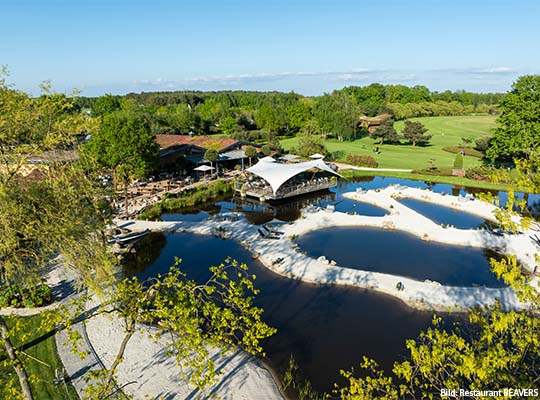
<point>147,251</point>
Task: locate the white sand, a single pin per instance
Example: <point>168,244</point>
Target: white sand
<point>422,295</point>
<point>147,372</point>
<point>154,375</point>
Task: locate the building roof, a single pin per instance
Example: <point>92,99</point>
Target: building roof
<point>277,174</point>
<point>232,155</point>
<point>205,142</point>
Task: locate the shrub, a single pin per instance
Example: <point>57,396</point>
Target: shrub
<point>189,198</point>
<point>362,160</point>
<point>458,161</point>
<point>488,174</point>
<point>435,171</point>
<point>482,143</point>
<point>16,296</point>
<point>469,151</point>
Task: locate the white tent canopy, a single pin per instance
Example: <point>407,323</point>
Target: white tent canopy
<point>316,155</point>
<point>268,159</point>
<point>277,174</point>
<point>203,168</point>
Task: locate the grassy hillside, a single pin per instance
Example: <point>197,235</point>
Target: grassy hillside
<point>446,131</point>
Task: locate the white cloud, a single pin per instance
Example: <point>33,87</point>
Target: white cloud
<point>352,74</point>
<point>501,70</point>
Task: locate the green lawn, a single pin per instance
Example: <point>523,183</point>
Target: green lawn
<point>446,131</point>
<point>43,348</point>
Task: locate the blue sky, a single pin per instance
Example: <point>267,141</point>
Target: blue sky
<point>308,46</point>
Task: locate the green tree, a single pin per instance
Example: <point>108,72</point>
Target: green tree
<point>415,133</point>
<point>386,132</point>
<point>250,153</point>
<point>518,127</point>
<point>105,104</point>
<point>337,114</point>
<point>266,150</point>
<point>458,161</point>
<point>229,125</point>
<point>271,117</point>
<point>310,140</point>
<point>211,155</point>
<point>36,216</point>
<point>125,145</point>
<point>64,214</point>
<point>198,317</point>
<point>298,114</point>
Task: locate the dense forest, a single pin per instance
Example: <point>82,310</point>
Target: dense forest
<point>265,116</point>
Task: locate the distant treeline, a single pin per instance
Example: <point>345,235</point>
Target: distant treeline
<point>263,116</point>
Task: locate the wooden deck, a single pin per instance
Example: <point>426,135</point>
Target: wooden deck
<point>283,193</point>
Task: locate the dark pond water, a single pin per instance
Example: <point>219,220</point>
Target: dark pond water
<point>325,328</point>
<point>445,215</point>
<point>259,213</point>
<point>400,253</point>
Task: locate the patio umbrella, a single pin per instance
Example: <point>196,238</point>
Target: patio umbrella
<point>203,168</point>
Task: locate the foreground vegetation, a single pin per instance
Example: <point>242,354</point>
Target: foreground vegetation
<point>188,198</point>
<point>64,210</point>
<point>38,349</point>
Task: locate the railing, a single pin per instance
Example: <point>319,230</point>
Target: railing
<point>302,189</point>
<point>283,192</point>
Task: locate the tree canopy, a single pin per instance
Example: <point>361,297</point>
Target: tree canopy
<point>518,126</point>
<point>415,133</point>
<point>386,132</point>
<point>337,114</point>
<point>125,145</point>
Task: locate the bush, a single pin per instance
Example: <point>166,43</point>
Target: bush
<point>434,171</point>
<point>189,198</point>
<point>362,161</point>
<point>469,151</point>
<point>488,174</point>
<point>482,143</point>
<point>16,296</point>
<point>458,161</point>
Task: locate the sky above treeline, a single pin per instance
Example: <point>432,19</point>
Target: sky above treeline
<point>306,46</point>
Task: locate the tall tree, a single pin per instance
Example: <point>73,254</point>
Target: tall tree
<point>337,114</point>
<point>125,145</point>
<point>105,104</point>
<point>271,117</point>
<point>37,216</point>
<point>415,133</point>
<point>518,127</point>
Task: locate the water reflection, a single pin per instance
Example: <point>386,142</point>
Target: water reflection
<point>259,213</point>
<point>326,328</point>
<point>400,253</point>
<point>444,215</point>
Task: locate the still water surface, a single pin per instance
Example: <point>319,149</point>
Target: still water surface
<point>325,328</point>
